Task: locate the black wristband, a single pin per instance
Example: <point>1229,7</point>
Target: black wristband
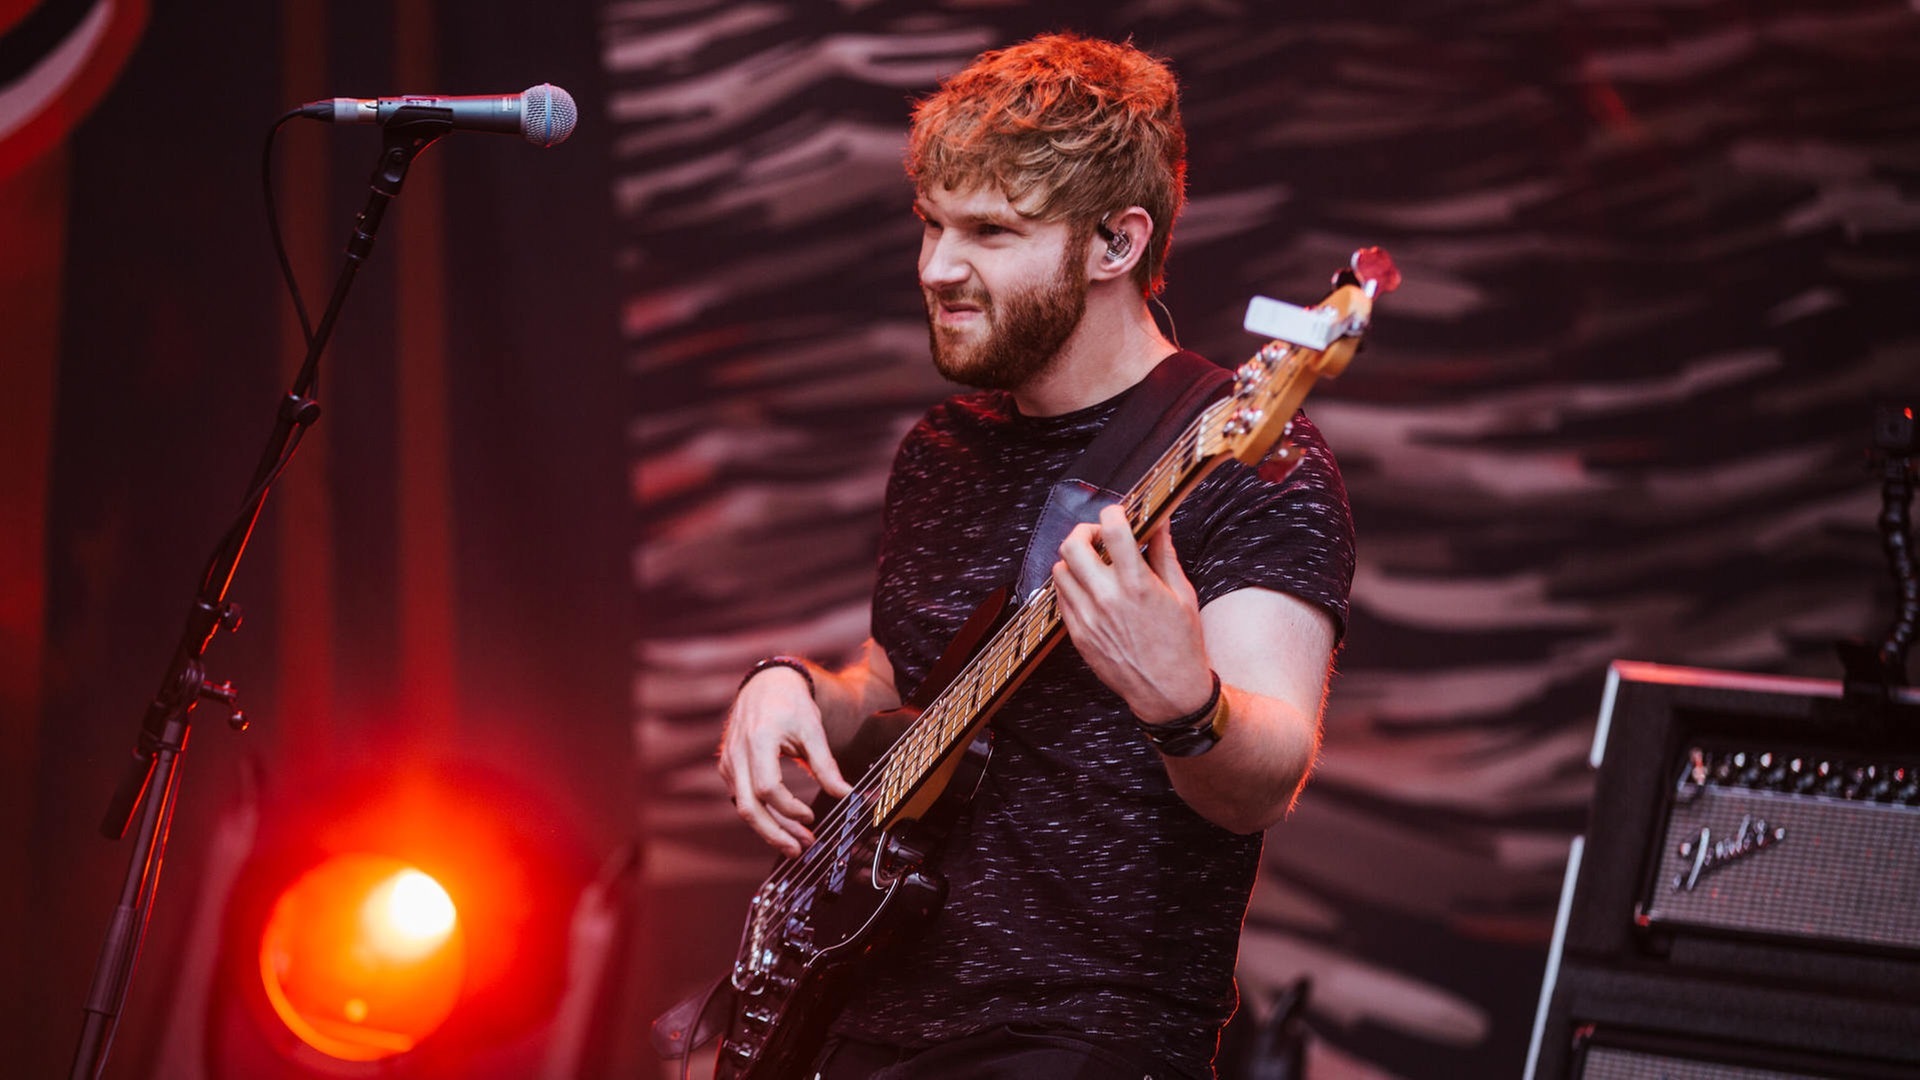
<point>793,662</point>
<point>1193,734</point>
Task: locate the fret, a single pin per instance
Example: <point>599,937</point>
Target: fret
<point>1234,426</point>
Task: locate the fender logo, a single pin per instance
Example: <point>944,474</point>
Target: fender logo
<point>1709,854</point>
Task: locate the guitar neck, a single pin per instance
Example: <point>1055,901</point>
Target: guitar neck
<point>994,673</point>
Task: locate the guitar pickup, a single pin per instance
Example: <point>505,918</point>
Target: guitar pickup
<point>1309,328</point>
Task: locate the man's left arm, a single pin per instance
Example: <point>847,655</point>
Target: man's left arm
<point>1138,624</point>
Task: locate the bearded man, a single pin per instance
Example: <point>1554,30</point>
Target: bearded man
<point>1099,876</point>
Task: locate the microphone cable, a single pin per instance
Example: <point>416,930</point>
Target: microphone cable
<point>252,502</point>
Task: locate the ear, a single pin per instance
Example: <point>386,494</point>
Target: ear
<point>1119,245</point>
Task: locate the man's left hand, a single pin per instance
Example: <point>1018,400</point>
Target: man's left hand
<point>1136,621</point>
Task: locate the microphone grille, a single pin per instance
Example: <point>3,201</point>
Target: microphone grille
<point>547,115</point>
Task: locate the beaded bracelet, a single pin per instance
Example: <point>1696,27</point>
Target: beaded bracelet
<point>1193,734</point>
<point>793,662</point>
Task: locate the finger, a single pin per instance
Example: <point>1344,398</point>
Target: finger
<point>780,804</point>
<point>819,758</point>
<point>1166,564</point>
<point>1116,534</point>
<point>772,801</point>
<point>788,806</point>
<point>748,807</point>
<point>1078,553</point>
<point>1070,597</point>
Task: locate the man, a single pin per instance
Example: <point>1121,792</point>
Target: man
<point>1099,877</point>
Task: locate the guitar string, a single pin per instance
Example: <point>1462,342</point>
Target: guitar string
<point>797,874</point>
<point>1019,636</point>
<point>988,671</point>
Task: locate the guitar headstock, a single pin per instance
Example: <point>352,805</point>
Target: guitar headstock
<point>1309,344</point>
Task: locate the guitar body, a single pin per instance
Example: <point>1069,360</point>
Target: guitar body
<point>869,886</point>
<point>875,890</point>
<point>865,881</point>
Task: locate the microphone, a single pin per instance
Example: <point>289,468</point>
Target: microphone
<point>544,114</point>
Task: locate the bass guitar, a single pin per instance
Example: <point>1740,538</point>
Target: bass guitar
<point>865,880</point>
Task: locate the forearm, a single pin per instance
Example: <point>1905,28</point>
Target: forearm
<point>1249,779</point>
<point>1140,627</point>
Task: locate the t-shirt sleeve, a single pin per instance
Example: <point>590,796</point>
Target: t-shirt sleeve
<point>1246,528</point>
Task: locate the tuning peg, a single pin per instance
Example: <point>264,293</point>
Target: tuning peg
<point>1375,269</point>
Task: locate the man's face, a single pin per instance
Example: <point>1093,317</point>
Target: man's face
<point>1003,292</point>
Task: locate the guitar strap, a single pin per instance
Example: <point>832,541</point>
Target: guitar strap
<point>1158,411</point>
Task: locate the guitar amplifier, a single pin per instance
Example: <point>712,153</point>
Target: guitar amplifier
<point>1790,844</point>
<point>1604,1062</point>
<point>1746,902</point>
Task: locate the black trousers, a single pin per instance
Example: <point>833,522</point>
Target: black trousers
<point>1003,1053</point>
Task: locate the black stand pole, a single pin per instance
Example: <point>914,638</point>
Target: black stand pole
<point>148,787</point>
<point>1874,672</point>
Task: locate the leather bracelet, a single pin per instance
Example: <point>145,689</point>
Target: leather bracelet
<point>1193,734</point>
<point>793,662</point>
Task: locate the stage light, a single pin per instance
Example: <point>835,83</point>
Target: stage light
<point>408,922</point>
<point>363,956</point>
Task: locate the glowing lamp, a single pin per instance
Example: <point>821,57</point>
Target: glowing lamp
<point>363,957</point>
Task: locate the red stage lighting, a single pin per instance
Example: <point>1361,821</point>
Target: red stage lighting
<point>411,924</point>
<point>363,957</point>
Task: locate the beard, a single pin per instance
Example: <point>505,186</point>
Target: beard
<point>1025,329</point>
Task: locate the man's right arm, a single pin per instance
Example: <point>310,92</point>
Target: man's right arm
<point>774,717</point>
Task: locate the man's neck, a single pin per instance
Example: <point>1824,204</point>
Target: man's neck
<point>1116,344</point>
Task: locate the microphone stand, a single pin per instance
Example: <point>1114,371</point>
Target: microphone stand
<point>148,786</point>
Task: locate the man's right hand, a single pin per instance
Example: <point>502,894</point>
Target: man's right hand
<point>774,716</point>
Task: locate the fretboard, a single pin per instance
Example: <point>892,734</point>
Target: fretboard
<point>1272,379</point>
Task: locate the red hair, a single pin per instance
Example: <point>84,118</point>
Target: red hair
<point>1068,128</point>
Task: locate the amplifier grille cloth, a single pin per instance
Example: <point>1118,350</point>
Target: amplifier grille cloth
<point>1609,1063</point>
<point>1844,870</point>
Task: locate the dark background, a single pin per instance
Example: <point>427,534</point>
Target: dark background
<point>605,423</point>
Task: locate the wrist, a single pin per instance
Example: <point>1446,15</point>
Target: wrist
<point>1195,733</point>
<point>1154,703</point>
<point>791,663</point>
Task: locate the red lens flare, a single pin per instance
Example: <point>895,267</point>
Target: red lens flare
<point>363,957</point>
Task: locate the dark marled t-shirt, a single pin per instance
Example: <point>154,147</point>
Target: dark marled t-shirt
<point>1085,894</point>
